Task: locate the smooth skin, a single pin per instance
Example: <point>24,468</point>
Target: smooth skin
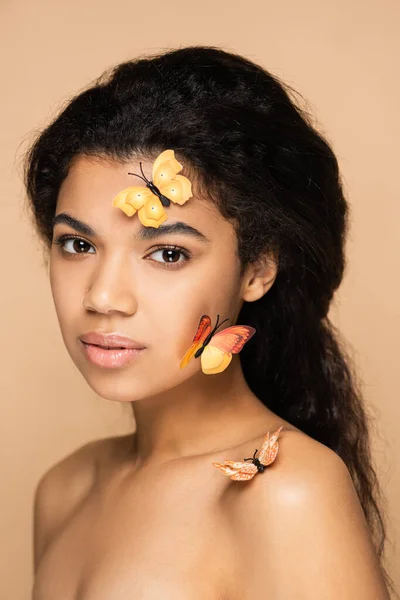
<point>146,516</point>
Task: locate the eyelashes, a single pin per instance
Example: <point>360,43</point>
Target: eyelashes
<point>61,241</point>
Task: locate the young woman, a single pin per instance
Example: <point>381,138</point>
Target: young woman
<point>179,196</point>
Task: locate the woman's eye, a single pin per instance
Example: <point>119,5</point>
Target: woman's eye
<point>170,256</point>
<point>76,245</point>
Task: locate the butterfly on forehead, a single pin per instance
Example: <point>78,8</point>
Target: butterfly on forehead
<point>216,349</point>
<point>165,187</point>
<point>243,471</point>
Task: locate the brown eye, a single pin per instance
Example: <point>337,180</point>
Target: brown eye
<point>79,246</point>
<point>170,256</point>
<point>76,245</point>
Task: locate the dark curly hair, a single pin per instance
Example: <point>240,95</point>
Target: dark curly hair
<point>258,156</point>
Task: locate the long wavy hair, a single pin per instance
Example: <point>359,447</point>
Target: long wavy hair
<point>260,159</point>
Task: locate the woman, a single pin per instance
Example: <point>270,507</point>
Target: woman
<point>254,240</point>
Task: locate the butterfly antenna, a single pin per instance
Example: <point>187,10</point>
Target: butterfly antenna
<point>144,176</point>
<point>222,322</point>
<point>253,457</point>
<point>135,175</point>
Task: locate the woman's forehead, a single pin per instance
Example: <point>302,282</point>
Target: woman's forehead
<point>92,183</point>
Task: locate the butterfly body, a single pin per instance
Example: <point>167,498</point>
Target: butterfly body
<point>243,471</point>
<point>256,462</point>
<point>260,467</point>
<point>205,343</point>
<point>216,349</point>
<point>163,199</point>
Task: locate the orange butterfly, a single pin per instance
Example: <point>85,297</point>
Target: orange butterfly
<point>242,471</point>
<point>216,349</point>
<point>166,187</point>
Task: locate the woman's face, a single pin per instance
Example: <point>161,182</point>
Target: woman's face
<point>113,281</point>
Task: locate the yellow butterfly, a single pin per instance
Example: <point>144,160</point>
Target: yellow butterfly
<point>242,471</point>
<point>166,187</point>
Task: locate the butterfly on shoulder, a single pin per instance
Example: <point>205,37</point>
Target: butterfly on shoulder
<point>243,471</point>
<point>216,349</point>
<point>165,187</point>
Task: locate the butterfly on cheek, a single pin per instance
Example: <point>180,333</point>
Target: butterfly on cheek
<point>243,471</point>
<point>166,187</point>
<point>216,349</point>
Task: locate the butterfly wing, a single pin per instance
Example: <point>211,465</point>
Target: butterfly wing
<point>269,448</point>
<point>152,213</point>
<point>178,190</point>
<point>164,174</point>
<point>203,329</point>
<point>165,161</point>
<point>218,353</point>
<point>190,353</point>
<point>232,339</point>
<point>132,198</point>
<point>237,471</point>
<point>214,360</point>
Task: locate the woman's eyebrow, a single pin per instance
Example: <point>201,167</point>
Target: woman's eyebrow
<point>74,223</point>
<point>146,233</point>
<point>150,233</point>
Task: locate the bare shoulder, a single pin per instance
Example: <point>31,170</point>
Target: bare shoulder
<point>302,516</point>
<point>63,486</point>
<point>304,470</point>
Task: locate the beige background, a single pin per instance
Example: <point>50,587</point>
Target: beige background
<point>343,57</point>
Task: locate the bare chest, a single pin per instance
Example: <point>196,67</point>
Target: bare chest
<point>156,540</point>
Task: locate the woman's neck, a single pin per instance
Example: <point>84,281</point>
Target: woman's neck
<point>204,414</point>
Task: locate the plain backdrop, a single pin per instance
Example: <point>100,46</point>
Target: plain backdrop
<point>343,57</point>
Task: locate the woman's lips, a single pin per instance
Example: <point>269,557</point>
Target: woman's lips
<point>113,358</point>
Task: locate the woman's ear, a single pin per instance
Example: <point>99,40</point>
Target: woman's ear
<point>259,278</point>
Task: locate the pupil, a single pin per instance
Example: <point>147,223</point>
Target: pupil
<point>79,245</point>
<point>167,255</point>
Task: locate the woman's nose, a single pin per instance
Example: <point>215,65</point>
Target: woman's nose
<point>111,288</point>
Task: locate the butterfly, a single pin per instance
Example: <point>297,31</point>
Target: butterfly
<point>166,187</point>
<point>216,349</point>
<point>242,471</point>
